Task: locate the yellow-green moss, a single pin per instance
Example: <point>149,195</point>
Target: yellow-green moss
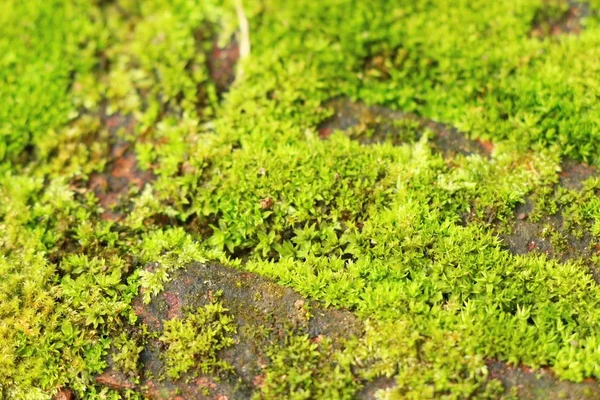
<point>244,178</point>
<point>194,341</point>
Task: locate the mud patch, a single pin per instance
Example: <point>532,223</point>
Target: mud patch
<point>376,124</point>
<point>265,314</point>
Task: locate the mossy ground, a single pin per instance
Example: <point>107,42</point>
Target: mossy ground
<point>372,156</point>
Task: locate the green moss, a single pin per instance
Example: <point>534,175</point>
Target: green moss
<point>127,356</point>
<point>434,367</point>
<point>244,178</point>
<point>194,341</point>
<point>44,44</point>
<point>303,369</point>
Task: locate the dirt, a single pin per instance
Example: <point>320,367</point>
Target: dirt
<point>265,314</point>
<point>376,124</point>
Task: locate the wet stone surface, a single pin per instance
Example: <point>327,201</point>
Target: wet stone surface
<point>265,314</point>
<point>569,21</point>
<point>533,236</point>
<point>573,174</point>
<point>530,384</point>
<point>548,234</point>
<point>121,173</point>
<point>376,124</point>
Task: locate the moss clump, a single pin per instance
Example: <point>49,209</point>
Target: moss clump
<point>306,369</point>
<point>194,341</point>
<point>58,309</point>
<point>438,366</point>
<point>127,355</point>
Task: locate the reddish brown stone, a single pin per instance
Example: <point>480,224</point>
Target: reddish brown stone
<point>259,381</point>
<point>112,185</point>
<point>221,65</point>
<point>266,203</point>
<point>573,174</point>
<point>382,125</point>
<point>114,380</point>
<point>486,145</point>
<point>530,384</point>
<point>568,23</point>
<point>325,132</point>
<point>64,394</point>
<point>206,382</point>
<point>174,303</point>
<point>257,304</point>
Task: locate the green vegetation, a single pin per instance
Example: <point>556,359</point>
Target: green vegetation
<point>302,369</point>
<point>43,45</point>
<point>127,359</point>
<point>195,340</point>
<point>395,232</point>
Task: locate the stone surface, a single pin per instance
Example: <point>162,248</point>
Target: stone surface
<point>265,314</point>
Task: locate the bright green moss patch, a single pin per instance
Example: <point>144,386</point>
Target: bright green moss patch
<point>433,367</point>
<point>195,340</point>
<point>58,310</point>
<point>303,369</point>
<point>397,233</point>
<point>44,46</point>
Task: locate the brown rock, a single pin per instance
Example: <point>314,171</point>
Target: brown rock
<point>64,394</point>
<point>266,203</point>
